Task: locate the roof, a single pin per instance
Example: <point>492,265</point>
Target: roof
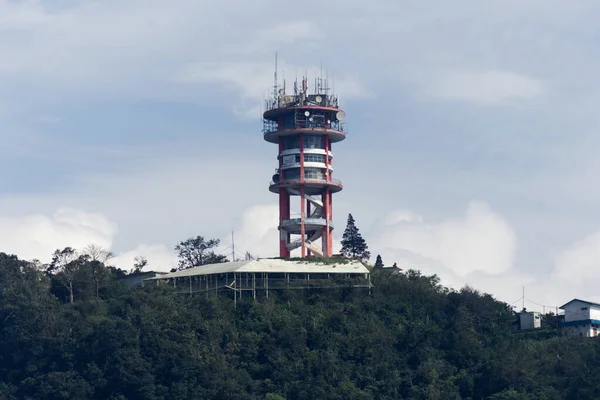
<point>527,312</point>
<point>271,266</point>
<point>581,301</point>
<point>142,273</point>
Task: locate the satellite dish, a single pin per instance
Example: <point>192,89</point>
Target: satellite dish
<point>306,113</point>
<point>340,115</point>
<point>311,119</point>
<point>319,99</point>
<point>276,178</point>
<point>328,121</point>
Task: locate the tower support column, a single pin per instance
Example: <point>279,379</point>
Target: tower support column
<point>327,241</point>
<point>302,227</point>
<point>284,213</point>
<point>302,204</point>
<point>308,211</point>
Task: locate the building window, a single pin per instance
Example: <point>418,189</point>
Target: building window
<point>292,174</point>
<point>311,158</point>
<point>583,308</point>
<point>313,142</point>
<point>314,158</point>
<point>291,142</point>
<point>313,173</point>
<point>289,122</point>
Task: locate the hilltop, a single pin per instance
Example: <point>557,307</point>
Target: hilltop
<point>411,338</point>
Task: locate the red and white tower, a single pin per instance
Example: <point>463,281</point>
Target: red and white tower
<point>304,126</point>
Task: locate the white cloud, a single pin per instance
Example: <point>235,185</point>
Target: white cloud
<point>300,34</point>
<point>485,87</point>
<point>252,81</point>
<point>38,236</point>
<point>257,231</point>
<point>580,262</point>
<point>480,241</point>
<point>160,258</point>
<point>479,249</point>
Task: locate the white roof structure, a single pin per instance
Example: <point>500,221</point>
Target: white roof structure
<point>271,266</point>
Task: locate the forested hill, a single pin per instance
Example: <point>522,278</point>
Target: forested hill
<point>410,339</point>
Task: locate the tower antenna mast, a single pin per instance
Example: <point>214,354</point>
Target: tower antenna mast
<point>275,78</point>
<point>232,247</point>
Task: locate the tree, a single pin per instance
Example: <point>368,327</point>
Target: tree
<point>97,253</point>
<point>378,262</point>
<point>97,257</point>
<point>353,244</point>
<point>194,252</point>
<point>139,262</point>
<point>65,265</point>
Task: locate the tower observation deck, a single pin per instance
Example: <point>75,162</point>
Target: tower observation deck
<point>304,126</point>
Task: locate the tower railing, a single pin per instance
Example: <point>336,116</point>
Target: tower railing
<point>323,180</point>
<point>307,221</point>
<point>272,126</point>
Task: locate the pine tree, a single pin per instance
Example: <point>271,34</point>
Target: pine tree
<point>353,244</point>
<point>378,262</point>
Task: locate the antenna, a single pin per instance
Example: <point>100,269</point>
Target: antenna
<point>333,97</point>
<point>275,77</point>
<point>232,247</point>
<point>321,78</point>
<point>523,297</point>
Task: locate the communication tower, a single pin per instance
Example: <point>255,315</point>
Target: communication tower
<point>304,125</point>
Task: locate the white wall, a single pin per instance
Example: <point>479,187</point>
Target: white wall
<point>530,320</point>
<point>574,312</point>
<point>594,312</point>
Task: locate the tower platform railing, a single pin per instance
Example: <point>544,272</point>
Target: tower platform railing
<point>296,180</point>
<point>307,221</point>
<point>272,126</point>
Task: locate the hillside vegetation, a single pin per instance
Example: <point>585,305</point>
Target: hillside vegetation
<point>410,339</point>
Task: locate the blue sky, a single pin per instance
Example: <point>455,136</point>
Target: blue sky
<point>472,146</point>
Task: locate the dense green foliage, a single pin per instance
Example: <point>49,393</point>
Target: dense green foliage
<point>409,339</point>
<point>353,244</point>
<point>196,251</point>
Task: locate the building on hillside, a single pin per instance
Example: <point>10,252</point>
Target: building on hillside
<point>304,125</point>
<point>253,277</point>
<point>138,278</point>
<point>582,318</point>
<point>394,269</point>
<point>527,320</point>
